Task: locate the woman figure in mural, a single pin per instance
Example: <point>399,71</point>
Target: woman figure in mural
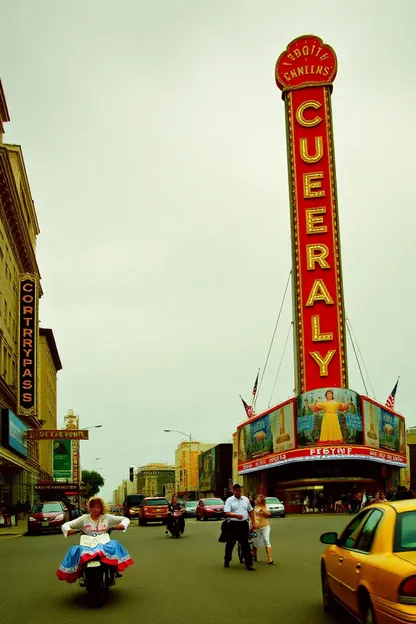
<point>330,429</point>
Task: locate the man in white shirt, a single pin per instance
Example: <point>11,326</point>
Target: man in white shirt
<point>237,510</point>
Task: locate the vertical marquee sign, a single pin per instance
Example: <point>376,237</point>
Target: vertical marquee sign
<point>305,72</point>
<point>27,398</point>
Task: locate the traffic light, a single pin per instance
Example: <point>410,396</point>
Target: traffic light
<point>131,473</point>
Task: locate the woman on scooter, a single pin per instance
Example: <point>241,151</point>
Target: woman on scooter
<point>175,506</point>
<point>96,521</point>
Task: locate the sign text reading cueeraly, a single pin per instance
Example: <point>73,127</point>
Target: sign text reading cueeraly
<point>28,346</point>
<point>304,72</point>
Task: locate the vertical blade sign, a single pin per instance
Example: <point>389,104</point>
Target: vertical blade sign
<point>28,346</point>
<point>305,72</point>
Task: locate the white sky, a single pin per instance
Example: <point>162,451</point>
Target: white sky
<point>154,139</point>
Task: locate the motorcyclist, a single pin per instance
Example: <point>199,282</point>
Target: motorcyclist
<point>175,506</point>
<point>96,521</point>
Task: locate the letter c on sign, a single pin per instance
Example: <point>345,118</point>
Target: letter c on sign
<point>306,123</point>
<point>28,287</point>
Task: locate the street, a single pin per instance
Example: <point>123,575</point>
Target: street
<point>174,579</point>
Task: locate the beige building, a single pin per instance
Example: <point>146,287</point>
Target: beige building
<point>19,228</point>
<point>186,468</point>
<point>156,480</point>
<point>49,365</point>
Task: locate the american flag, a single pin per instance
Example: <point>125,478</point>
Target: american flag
<point>255,386</point>
<point>391,398</point>
<point>248,408</point>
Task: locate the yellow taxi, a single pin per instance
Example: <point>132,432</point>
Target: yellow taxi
<point>370,568</point>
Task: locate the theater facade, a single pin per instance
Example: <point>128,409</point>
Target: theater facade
<point>327,439</point>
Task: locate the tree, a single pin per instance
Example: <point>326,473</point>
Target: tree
<point>93,481</point>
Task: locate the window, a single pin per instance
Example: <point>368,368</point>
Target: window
<point>405,536</point>
<point>350,534</point>
<point>368,533</point>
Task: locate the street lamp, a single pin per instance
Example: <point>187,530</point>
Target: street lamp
<point>189,436</point>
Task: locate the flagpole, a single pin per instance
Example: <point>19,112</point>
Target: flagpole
<point>254,397</point>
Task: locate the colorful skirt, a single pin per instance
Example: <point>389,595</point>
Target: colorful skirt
<point>111,553</point>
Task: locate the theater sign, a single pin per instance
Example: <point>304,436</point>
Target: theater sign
<point>329,423</point>
<point>305,72</point>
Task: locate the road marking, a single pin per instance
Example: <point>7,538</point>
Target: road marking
<point>5,537</point>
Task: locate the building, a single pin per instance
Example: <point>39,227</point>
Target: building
<point>155,479</point>
<point>408,474</point>
<point>327,440</point>
<point>19,228</point>
<point>49,365</point>
<point>187,469</point>
<point>215,471</point>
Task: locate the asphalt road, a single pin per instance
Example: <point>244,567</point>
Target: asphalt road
<point>174,579</point>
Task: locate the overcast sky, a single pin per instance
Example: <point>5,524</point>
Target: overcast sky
<point>154,140</point>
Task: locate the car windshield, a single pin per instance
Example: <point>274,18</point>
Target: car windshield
<point>272,500</point>
<point>152,502</point>
<point>47,508</point>
<point>191,504</point>
<point>405,535</point>
<point>213,501</point>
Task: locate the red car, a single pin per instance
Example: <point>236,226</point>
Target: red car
<point>46,517</point>
<point>210,508</point>
<point>154,509</point>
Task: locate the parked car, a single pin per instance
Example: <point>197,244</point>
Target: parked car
<point>210,508</point>
<point>46,517</point>
<point>277,508</point>
<point>190,509</point>
<point>154,509</point>
<point>370,568</point>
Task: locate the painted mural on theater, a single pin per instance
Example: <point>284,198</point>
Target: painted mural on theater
<point>272,433</point>
<point>383,429</point>
<point>329,417</point>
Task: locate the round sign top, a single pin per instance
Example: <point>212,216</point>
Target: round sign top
<point>307,61</point>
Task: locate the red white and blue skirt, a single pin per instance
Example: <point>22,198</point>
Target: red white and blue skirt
<point>112,553</point>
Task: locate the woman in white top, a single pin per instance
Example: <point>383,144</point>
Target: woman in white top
<point>262,515</point>
<point>96,521</point>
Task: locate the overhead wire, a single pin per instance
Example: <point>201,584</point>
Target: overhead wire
<point>356,357</point>
<point>272,340</point>
<point>361,356</point>
<point>280,363</point>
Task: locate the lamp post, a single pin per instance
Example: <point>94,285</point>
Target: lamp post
<point>79,467</point>
<point>187,472</point>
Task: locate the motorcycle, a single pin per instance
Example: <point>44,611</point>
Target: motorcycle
<point>96,576</point>
<point>175,524</point>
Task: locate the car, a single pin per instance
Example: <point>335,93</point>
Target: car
<point>190,509</point>
<point>370,568</point>
<point>154,509</point>
<point>210,508</point>
<point>131,506</point>
<point>46,517</point>
<point>277,508</point>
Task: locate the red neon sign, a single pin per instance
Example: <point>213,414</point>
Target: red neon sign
<point>305,72</point>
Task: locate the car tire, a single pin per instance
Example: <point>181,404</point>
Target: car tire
<point>204,518</point>
<point>198,518</point>
<point>283,515</point>
<point>368,615</point>
<point>327,595</point>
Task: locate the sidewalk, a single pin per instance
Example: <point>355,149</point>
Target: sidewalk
<point>14,531</point>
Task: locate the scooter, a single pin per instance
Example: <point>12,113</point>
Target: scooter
<point>175,525</point>
<point>97,577</point>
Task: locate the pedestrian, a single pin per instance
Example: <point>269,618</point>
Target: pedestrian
<point>237,510</point>
<point>262,540</point>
